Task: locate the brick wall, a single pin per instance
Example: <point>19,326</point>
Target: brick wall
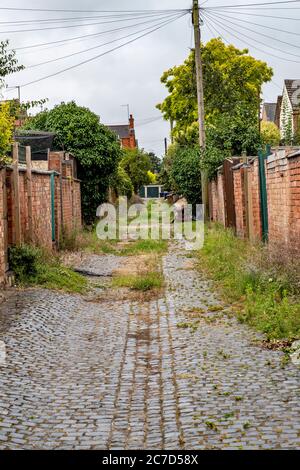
<point>279,200</point>
<point>2,226</point>
<point>256,227</point>
<point>217,199</point>
<point>67,209</point>
<point>238,182</point>
<point>283,196</point>
<point>294,219</point>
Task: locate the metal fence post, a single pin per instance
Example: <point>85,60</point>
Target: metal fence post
<point>263,194</point>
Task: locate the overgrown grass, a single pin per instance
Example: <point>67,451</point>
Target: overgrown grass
<point>141,282</point>
<point>35,267</point>
<point>261,281</point>
<point>145,246</point>
<point>87,241</point>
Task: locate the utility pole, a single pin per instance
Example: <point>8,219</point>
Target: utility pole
<point>200,101</point>
<point>166,145</point>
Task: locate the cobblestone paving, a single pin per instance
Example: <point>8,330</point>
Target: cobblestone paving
<point>171,373</point>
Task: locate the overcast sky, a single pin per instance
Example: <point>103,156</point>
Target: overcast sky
<point>132,74</point>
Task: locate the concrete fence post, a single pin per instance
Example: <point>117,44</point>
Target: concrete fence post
<point>5,219</point>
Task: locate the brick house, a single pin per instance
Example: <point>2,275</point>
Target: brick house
<point>287,107</point>
<point>269,112</point>
<point>126,134</point>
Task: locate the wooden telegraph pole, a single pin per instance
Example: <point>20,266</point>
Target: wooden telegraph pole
<point>200,101</point>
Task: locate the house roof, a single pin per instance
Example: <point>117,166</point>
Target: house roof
<point>270,110</point>
<point>293,90</point>
<point>121,130</point>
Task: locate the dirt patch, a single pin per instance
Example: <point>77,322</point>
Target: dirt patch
<point>125,294</point>
<point>76,258</point>
<point>134,266</point>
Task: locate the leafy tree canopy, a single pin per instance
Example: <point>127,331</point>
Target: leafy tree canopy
<point>270,133</point>
<point>185,173</point>
<point>121,183</point>
<point>155,162</point>
<point>6,132</point>
<point>79,131</point>
<point>136,163</point>
<point>232,84</point>
<point>8,62</point>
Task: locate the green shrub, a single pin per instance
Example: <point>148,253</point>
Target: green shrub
<point>24,261</point>
<point>34,267</point>
<point>143,282</point>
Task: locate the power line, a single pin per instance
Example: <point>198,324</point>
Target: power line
<point>251,45</point>
<point>256,32</point>
<point>96,47</point>
<point>83,18</point>
<point>103,54</point>
<point>258,14</point>
<point>84,36</point>
<point>140,124</point>
<point>68,26</point>
<point>252,4</point>
<point>260,25</point>
<point>90,11</point>
<point>225,40</point>
<point>210,25</point>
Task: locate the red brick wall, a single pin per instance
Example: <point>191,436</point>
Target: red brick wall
<point>77,217</point>
<point>41,208</point>
<point>294,218</point>
<point>2,227</point>
<point>67,205</point>
<point>283,193</point>
<point>239,202</point>
<point>55,161</point>
<point>217,200</point>
<point>279,201</point>
<point>255,194</point>
<point>71,204</point>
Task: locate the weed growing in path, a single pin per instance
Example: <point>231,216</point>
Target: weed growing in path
<point>261,282</point>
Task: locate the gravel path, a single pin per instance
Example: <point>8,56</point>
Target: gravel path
<point>175,372</point>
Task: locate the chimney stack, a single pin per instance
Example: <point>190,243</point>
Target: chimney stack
<point>131,122</point>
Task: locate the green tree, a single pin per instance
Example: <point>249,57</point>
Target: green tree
<point>8,62</point>
<point>155,162</point>
<point>270,134</point>
<point>6,132</point>
<point>96,148</point>
<point>232,82</point>
<point>121,183</point>
<point>185,173</point>
<point>136,164</point>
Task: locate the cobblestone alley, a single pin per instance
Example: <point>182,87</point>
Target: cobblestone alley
<point>175,372</point>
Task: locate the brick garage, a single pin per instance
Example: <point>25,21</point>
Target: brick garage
<point>30,198</point>
<point>283,197</point>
